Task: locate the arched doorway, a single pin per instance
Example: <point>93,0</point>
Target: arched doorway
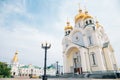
<point>73,63</point>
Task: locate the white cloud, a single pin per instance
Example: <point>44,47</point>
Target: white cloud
<point>27,41</point>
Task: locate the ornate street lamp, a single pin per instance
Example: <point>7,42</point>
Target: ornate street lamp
<point>57,72</point>
<point>45,46</point>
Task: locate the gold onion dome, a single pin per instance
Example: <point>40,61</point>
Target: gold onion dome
<point>87,15</point>
<point>15,58</point>
<point>68,26</point>
<point>79,16</point>
<point>82,15</point>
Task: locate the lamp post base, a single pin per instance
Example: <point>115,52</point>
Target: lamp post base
<point>44,78</point>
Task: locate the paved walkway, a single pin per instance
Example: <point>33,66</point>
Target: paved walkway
<point>59,79</point>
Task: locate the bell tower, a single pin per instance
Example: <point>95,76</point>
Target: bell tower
<point>15,58</point>
<point>15,65</point>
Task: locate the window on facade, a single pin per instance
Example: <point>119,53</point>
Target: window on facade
<point>90,21</point>
<point>79,24</point>
<point>93,59</point>
<point>93,27</point>
<point>86,22</point>
<point>68,32</point>
<point>90,40</point>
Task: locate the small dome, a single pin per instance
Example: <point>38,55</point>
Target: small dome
<point>98,25</point>
<point>68,26</point>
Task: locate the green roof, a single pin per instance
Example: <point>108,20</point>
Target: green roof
<point>24,66</point>
<point>28,66</point>
<point>51,66</point>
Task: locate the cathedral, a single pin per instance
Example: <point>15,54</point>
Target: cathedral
<point>86,47</point>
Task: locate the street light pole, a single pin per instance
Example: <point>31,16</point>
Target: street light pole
<point>57,72</point>
<point>45,46</point>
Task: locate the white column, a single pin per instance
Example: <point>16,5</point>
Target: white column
<point>64,63</point>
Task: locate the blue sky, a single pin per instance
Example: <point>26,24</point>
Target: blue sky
<point>25,24</point>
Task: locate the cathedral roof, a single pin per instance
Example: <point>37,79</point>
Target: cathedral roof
<point>15,58</point>
<point>68,26</point>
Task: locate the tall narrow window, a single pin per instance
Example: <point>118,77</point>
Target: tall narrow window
<point>93,59</point>
<point>79,24</point>
<point>90,21</point>
<point>90,40</point>
<point>86,22</point>
<point>68,32</point>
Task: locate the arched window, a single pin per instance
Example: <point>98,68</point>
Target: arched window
<point>68,32</point>
<point>86,22</point>
<point>90,21</point>
<point>90,38</point>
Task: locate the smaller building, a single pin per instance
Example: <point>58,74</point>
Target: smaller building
<point>30,70</point>
<point>51,70</point>
<point>21,70</point>
<point>24,70</point>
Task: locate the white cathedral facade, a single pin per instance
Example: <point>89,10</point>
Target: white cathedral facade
<point>86,47</point>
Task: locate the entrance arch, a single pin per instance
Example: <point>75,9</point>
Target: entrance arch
<point>73,60</point>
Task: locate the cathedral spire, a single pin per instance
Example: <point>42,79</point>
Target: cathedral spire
<point>80,10</point>
<point>86,12</point>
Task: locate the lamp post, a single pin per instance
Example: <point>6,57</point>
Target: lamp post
<point>45,46</point>
<point>57,72</point>
<point>31,73</point>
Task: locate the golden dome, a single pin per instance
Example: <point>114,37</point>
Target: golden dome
<point>87,15</point>
<point>68,26</point>
<point>15,58</point>
<point>82,16</point>
<point>79,16</point>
